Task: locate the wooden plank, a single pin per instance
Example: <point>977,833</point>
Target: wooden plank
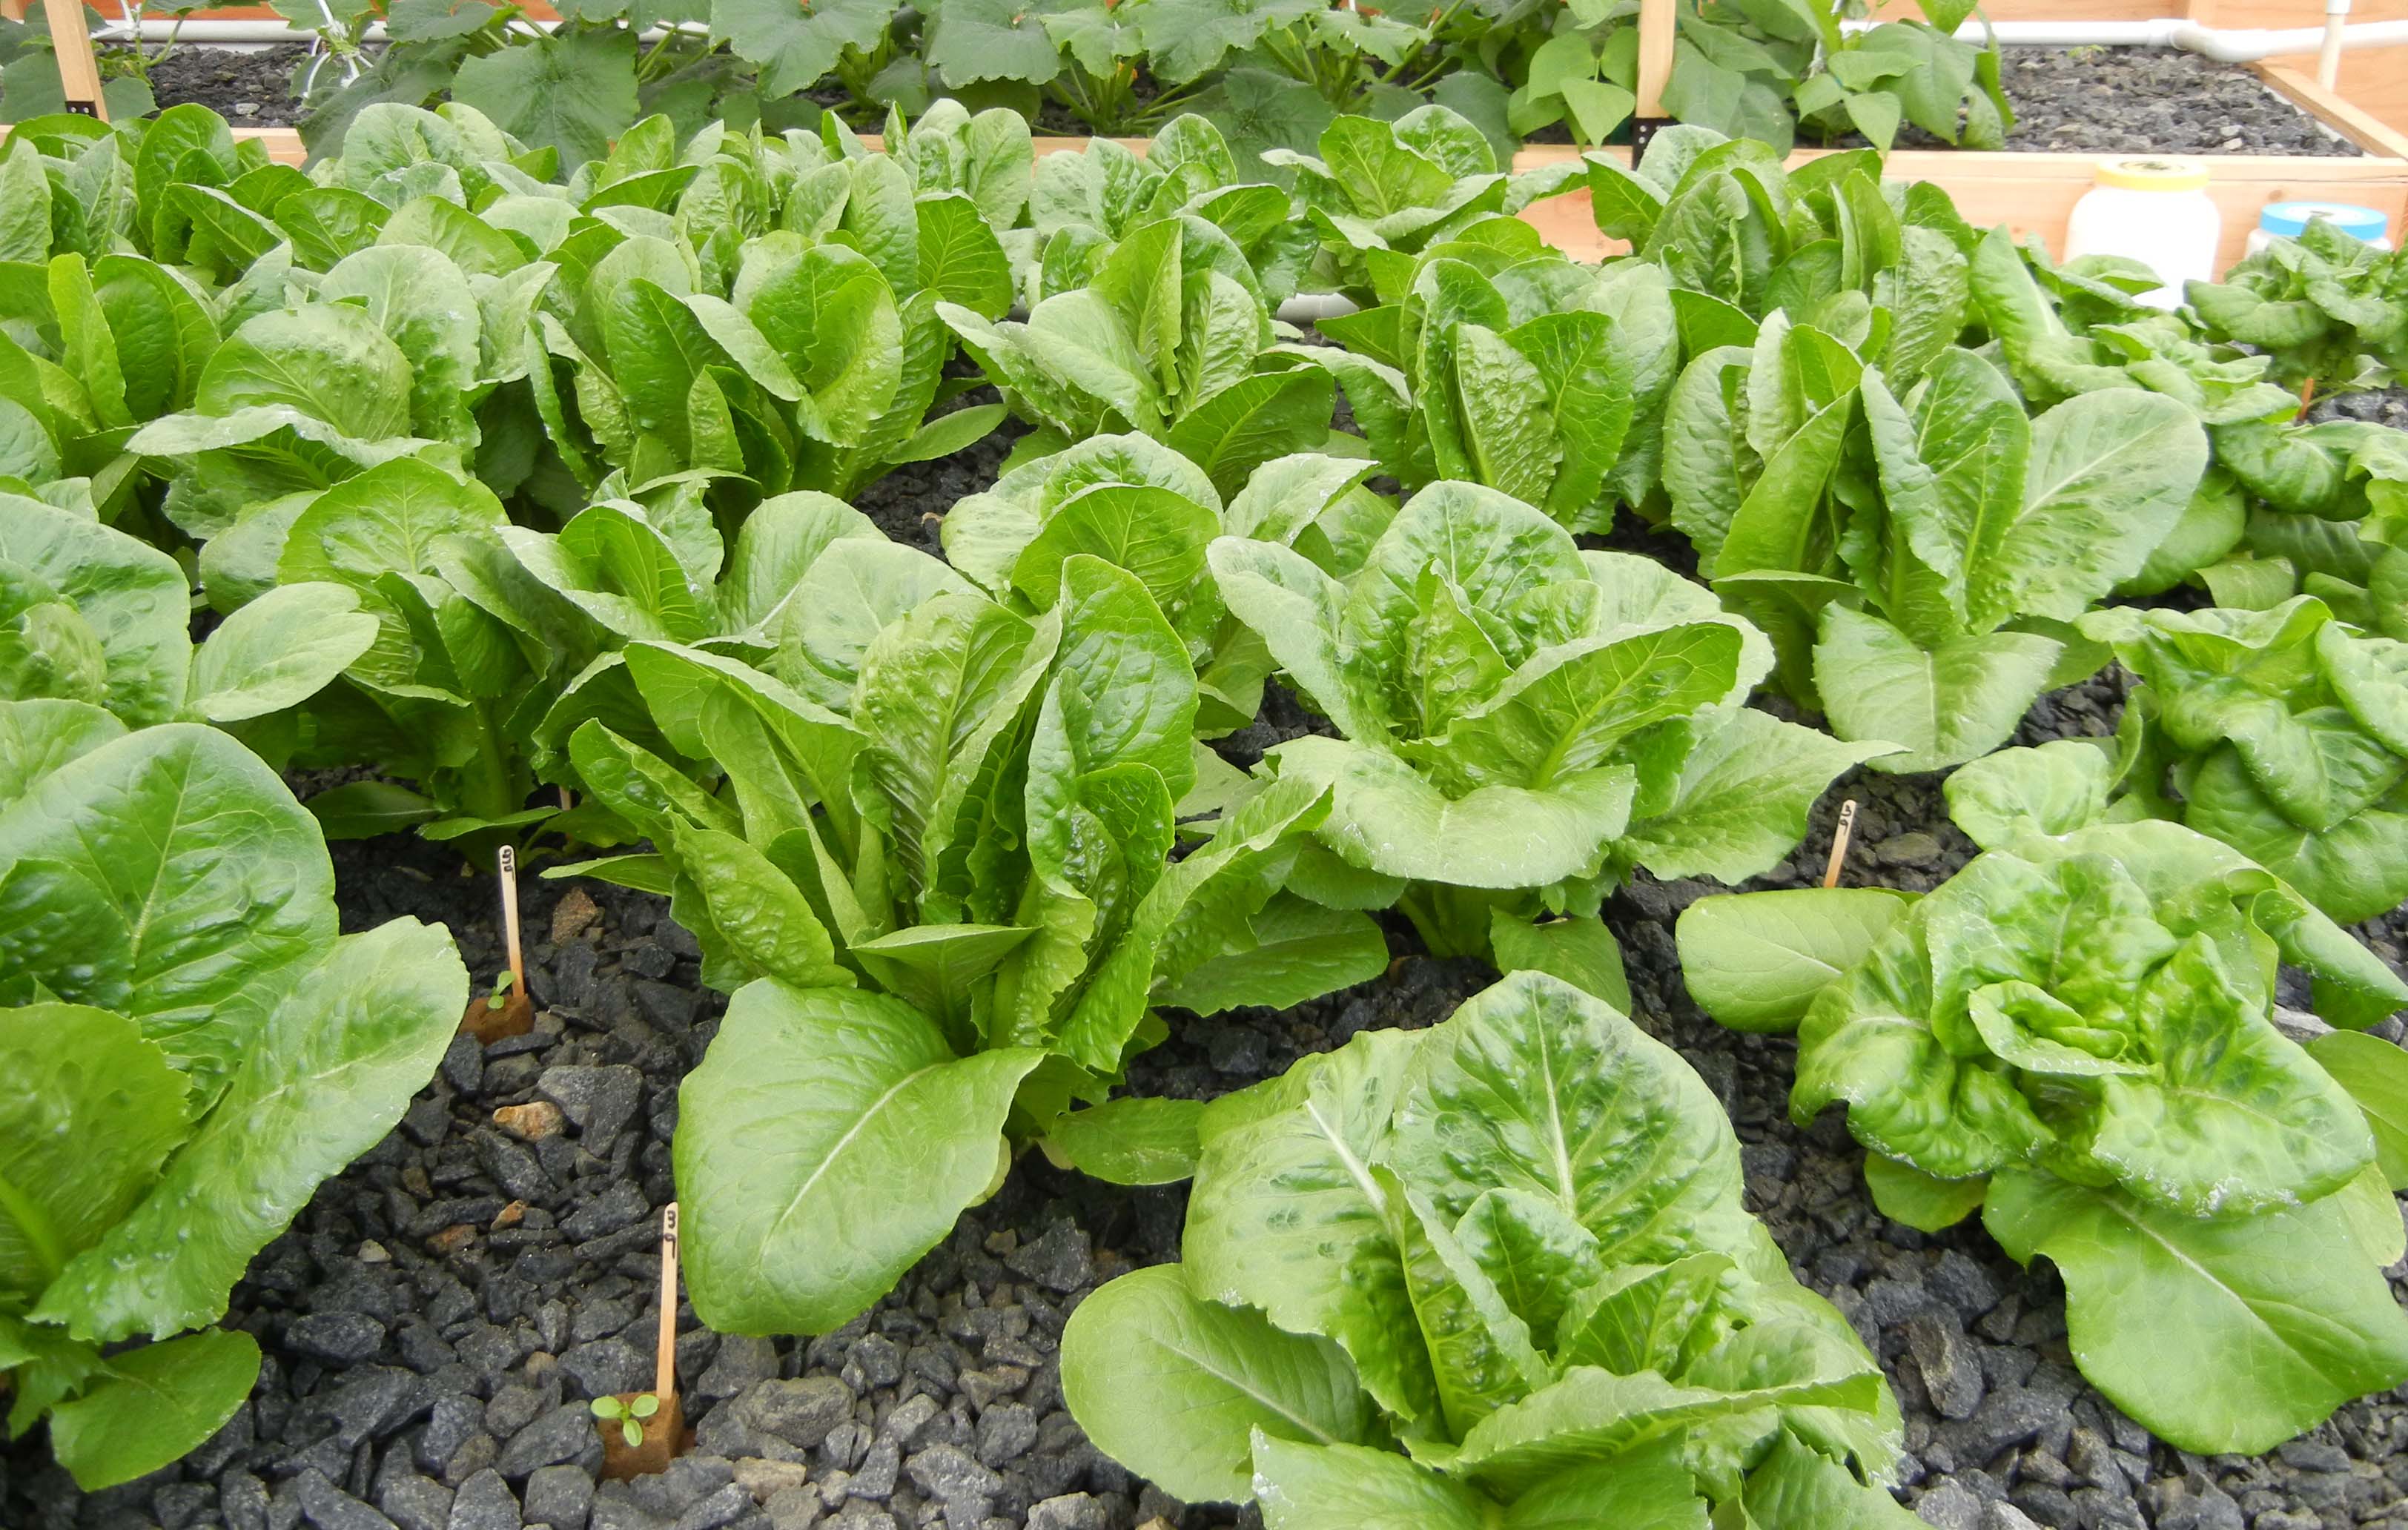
<point>1659,28</point>
<point>78,67</point>
<point>2327,107</point>
<point>2033,194</point>
<point>2083,10</point>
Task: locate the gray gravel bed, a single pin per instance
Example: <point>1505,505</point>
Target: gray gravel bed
<point>437,1316</point>
<point>249,88</point>
<point>2143,100</point>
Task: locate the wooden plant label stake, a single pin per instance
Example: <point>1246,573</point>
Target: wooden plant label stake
<point>507,860</point>
<point>515,1015</point>
<point>664,1348</point>
<point>1840,843</point>
<point>664,1434</point>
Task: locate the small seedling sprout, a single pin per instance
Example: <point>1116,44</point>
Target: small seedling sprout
<point>629,1414</point>
<point>502,985</point>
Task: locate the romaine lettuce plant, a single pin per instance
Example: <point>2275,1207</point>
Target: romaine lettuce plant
<point>1081,204</point>
<point>1493,1274</point>
<point>1164,333</point>
<point>1399,186</point>
<point>89,614</point>
<point>1497,361</point>
<point>2280,732</point>
<point>2330,519</point>
<point>1520,723</point>
<point>96,350</point>
<point>2286,505</point>
<point>1824,244</point>
<point>781,331</point>
<point>2330,311</point>
<point>2075,1035</point>
<point>191,1048</point>
<point>1934,558</point>
<point>467,652</point>
<point>1143,507</point>
<point>2081,326</point>
<point>943,898</point>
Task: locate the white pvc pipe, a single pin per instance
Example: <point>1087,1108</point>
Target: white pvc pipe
<point>2235,45</point>
<point>2239,44</point>
<point>2336,38</point>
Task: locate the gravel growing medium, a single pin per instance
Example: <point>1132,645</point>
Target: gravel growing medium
<point>2136,100</point>
<point>250,88</point>
<point>437,1318</point>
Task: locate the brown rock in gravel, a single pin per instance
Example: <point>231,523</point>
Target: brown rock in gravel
<point>451,1239</point>
<point>572,915</point>
<point>509,1216</point>
<point>765,1478</point>
<point>530,1123</point>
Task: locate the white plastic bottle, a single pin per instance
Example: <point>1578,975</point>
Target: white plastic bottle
<point>2287,220</point>
<point>2155,211</point>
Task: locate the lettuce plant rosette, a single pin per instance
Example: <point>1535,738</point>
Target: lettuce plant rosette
<point>2283,733</point>
<point>2076,1035</point>
<point>2287,506</point>
<point>1081,204</point>
<point>1826,244</point>
<point>1920,571</point>
<point>2330,310</point>
<point>1141,506</point>
<point>1495,360</point>
<point>1520,723</point>
<point>1165,332</point>
<point>772,324</point>
<point>1494,1275</point>
<point>1382,190</point>
<point>191,1048</point>
<point>89,614</point>
<point>926,841</point>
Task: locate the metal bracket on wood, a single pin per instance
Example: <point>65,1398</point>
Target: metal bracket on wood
<point>71,44</point>
<point>1642,132</point>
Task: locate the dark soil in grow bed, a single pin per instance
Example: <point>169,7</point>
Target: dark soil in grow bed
<point>436,1317</point>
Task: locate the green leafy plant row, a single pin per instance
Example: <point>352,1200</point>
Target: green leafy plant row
<point>1275,74</point>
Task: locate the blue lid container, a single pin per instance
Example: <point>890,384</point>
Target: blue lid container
<point>2290,218</point>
